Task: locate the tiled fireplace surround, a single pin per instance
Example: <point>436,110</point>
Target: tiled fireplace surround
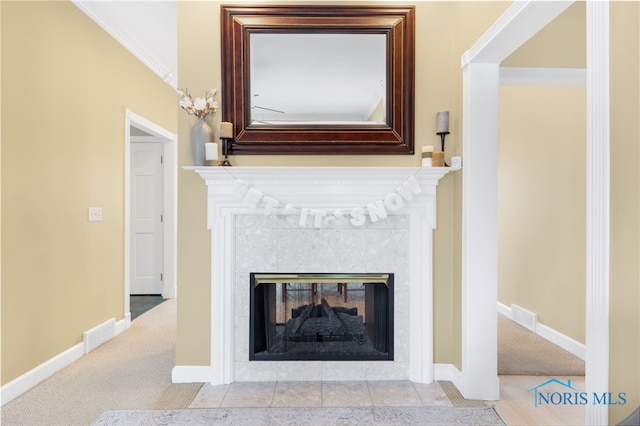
<point>247,237</point>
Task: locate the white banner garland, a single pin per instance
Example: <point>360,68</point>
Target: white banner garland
<point>375,211</point>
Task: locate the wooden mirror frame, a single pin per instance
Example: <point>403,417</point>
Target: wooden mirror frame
<point>394,137</point>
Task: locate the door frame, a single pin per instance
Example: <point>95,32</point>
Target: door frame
<point>481,68</point>
<point>170,222</point>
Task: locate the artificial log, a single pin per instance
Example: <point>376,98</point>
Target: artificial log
<point>338,325</point>
<point>348,311</point>
<point>297,322</point>
<point>326,325</point>
<point>316,312</point>
<point>353,324</point>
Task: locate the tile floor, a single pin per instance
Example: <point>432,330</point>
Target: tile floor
<point>322,394</point>
<point>138,305</point>
<point>515,407</point>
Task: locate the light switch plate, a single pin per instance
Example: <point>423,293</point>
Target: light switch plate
<point>95,214</point>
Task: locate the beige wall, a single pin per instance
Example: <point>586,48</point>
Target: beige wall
<point>567,35</point>
<point>65,86</point>
<point>541,204</point>
<point>444,30</point>
<point>624,320</point>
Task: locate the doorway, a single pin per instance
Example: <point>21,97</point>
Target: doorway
<point>480,93</point>
<point>150,214</point>
<point>542,227</point>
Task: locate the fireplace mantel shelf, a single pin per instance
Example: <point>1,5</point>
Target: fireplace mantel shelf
<point>215,170</point>
<point>375,178</point>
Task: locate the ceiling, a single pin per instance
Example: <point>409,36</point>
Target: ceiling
<point>147,28</point>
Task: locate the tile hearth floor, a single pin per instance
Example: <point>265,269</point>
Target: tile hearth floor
<point>515,406</point>
<point>322,394</point>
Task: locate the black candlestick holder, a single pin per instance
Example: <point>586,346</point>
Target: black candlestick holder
<point>227,143</point>
<point>443,135</point>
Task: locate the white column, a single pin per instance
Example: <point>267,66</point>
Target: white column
<point>597,327</point>
<point>480,231</point>
<point>421,302</point>
<point>222,307</point>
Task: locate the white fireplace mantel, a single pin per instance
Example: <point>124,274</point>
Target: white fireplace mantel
<point>332,193</point>
<point>317,187</point>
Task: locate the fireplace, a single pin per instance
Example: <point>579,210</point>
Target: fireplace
<point>325,220</point>
<point>321,317</point>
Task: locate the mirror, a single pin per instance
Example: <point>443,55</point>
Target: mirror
<point>318,79</point>
<point>306,78</point>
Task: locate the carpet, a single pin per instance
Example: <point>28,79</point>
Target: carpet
<point>524,353</point>
<point>129,372</point>
<point>400,416</point>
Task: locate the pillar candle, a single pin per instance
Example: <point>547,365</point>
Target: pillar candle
<point>427,152</point>
<point>437,159</point>
<point>226,130</point>
<point>442,122</point>
<point>211,151</point>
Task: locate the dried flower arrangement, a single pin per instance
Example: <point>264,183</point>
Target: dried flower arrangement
<point>200,107</point>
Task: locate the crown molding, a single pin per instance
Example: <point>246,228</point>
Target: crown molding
<point>96,13</point>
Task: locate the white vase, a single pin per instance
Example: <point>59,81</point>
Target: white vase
<point>200,135</point>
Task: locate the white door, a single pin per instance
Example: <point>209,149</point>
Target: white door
<point>146,218</point>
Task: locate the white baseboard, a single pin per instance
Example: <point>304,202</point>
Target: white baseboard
<point>123,324</point>
<point>449,373</point>
<point>98,335</point>
<point>524,317</point>
<point>33,377</point>
<point>191,374</point>
<point>504,310</point>
<point>21,384</point>
<point>565,342</point>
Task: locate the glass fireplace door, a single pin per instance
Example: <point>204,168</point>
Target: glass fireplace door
<point>321,317</point>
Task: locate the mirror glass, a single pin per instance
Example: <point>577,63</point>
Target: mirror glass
<point>318,78</point>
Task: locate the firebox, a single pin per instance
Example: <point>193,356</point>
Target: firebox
<point>337,317</point>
